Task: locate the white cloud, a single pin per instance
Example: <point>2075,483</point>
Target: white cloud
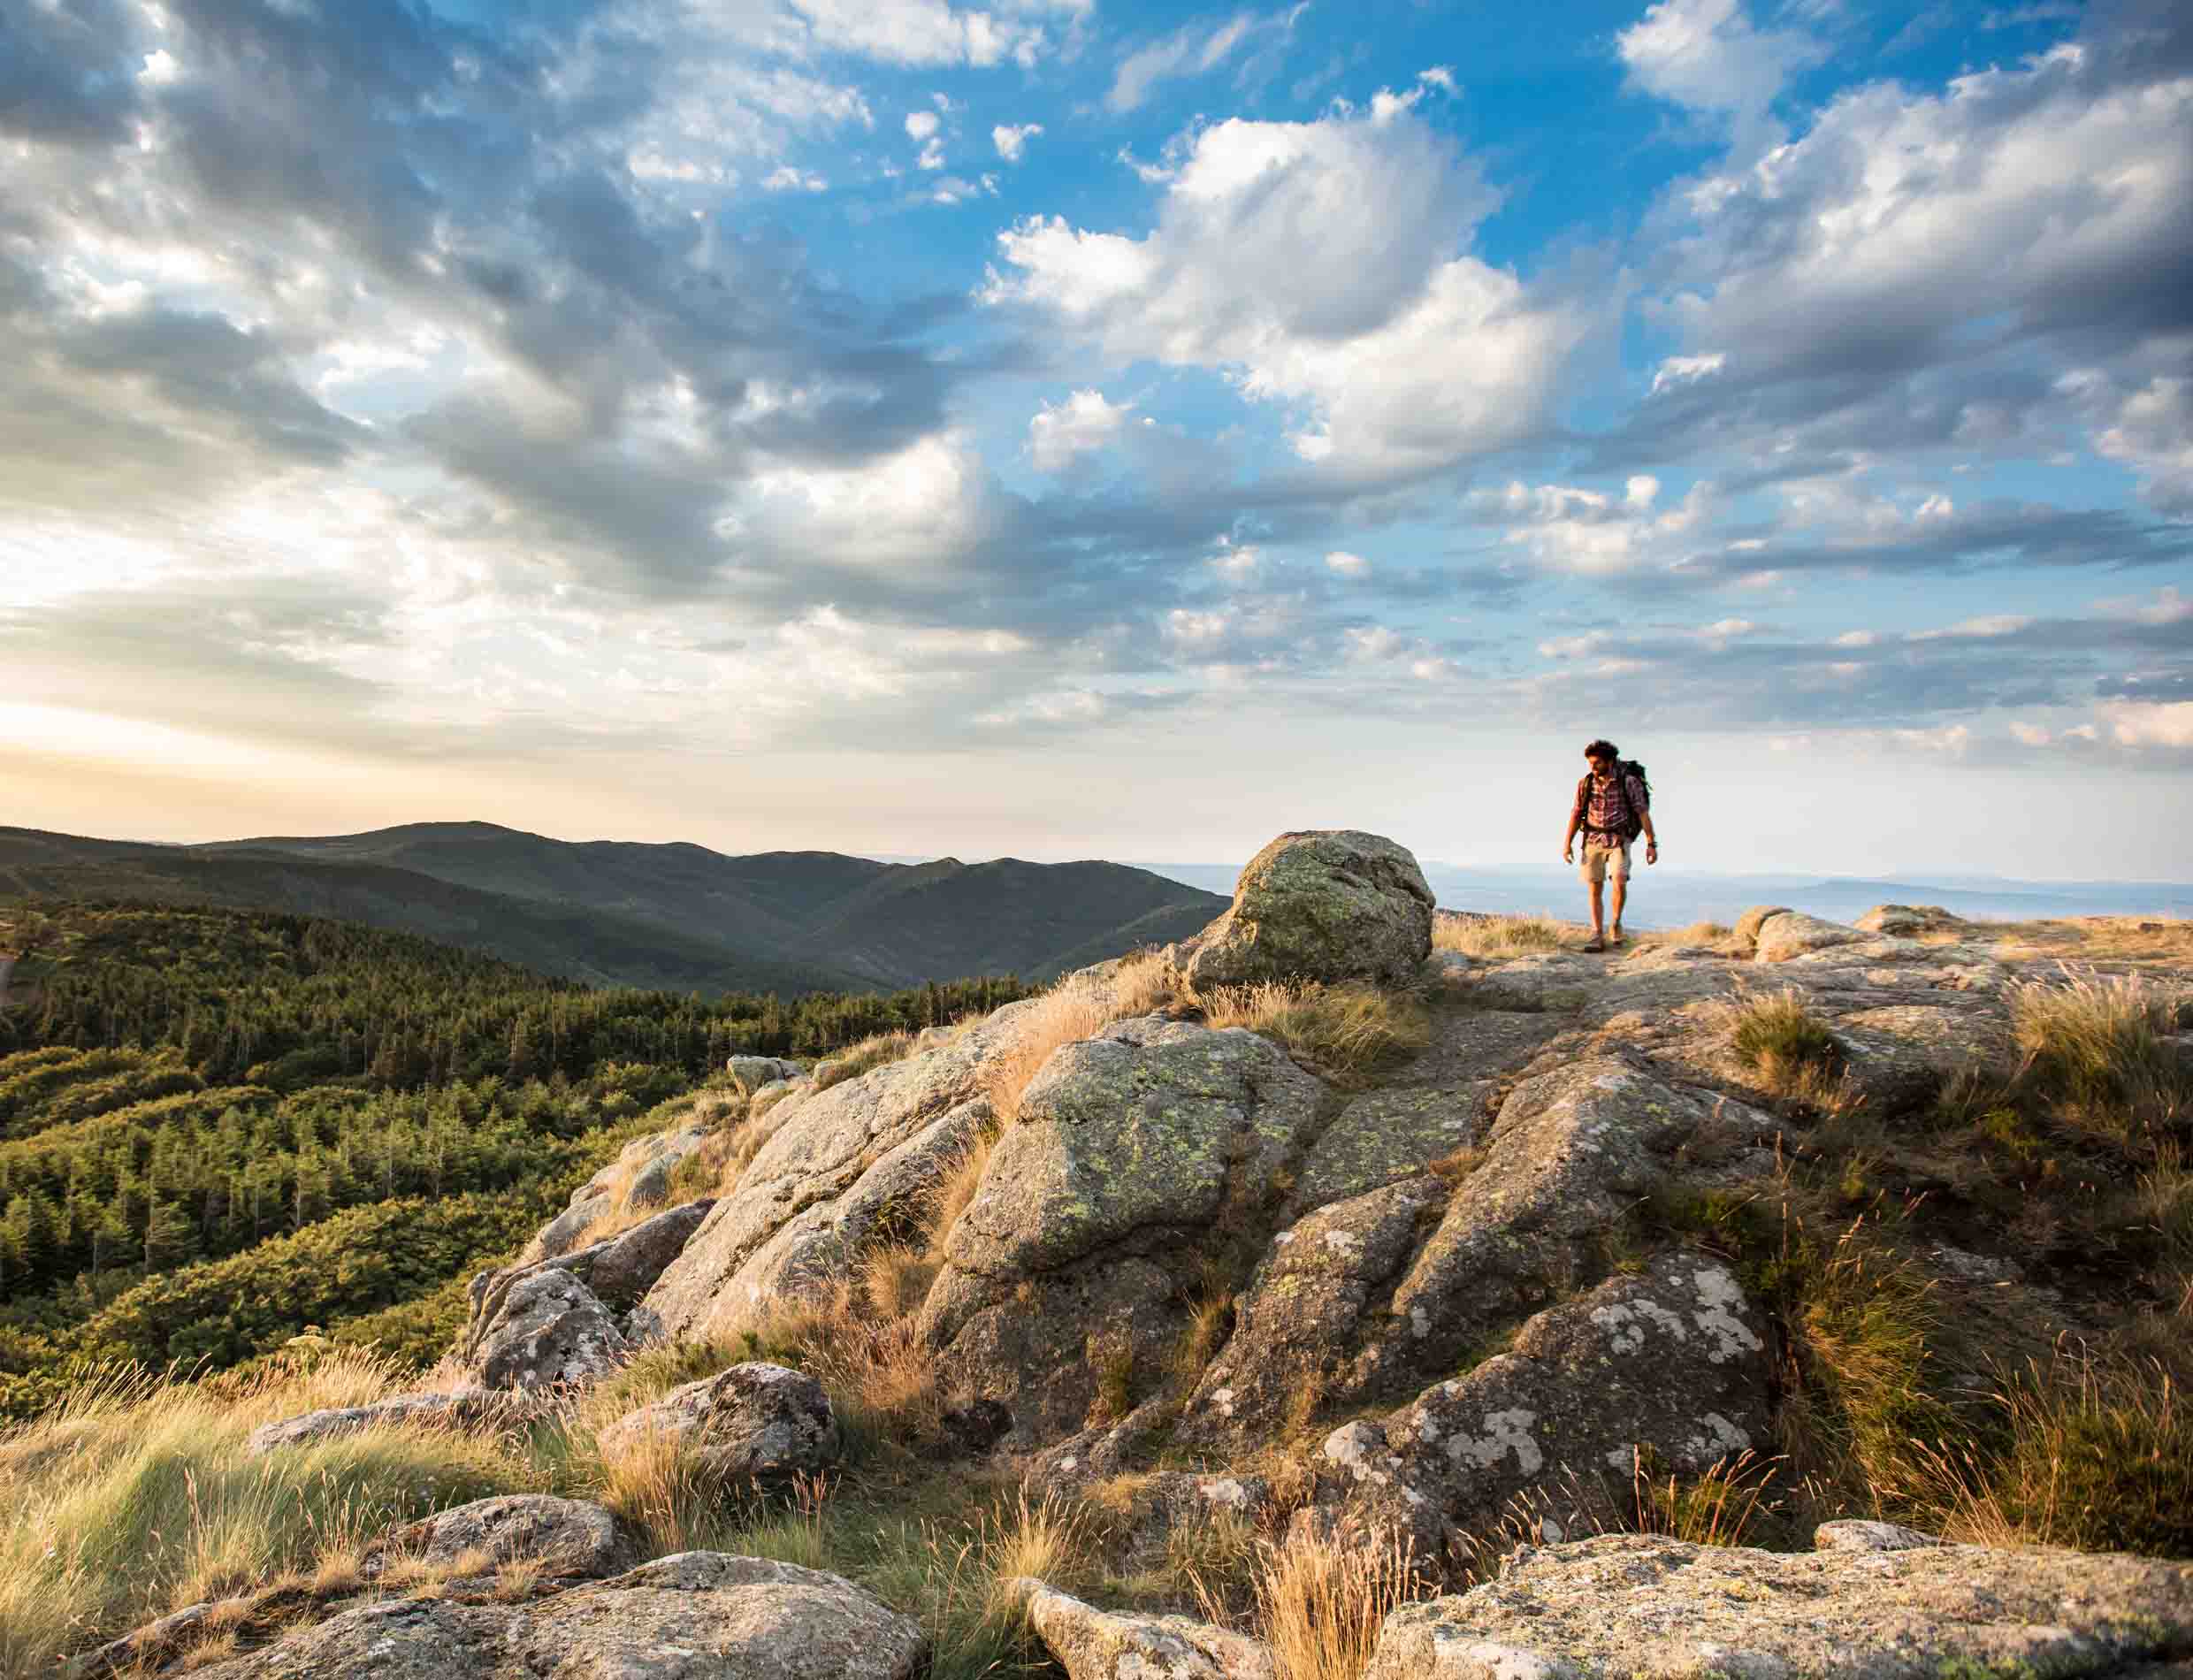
<point>1343,564</point>
<point>786,179</point>
<point>920,123</point>
<point>1312,262</point>
<point>2137,723</point>
<point>2151,431</point>
<point>1189,53</point>
<point>1063,431</point>
<point>927,31</point>
<point>1687,369</point>
<point>1706,55</point>
<point>1011,139</point>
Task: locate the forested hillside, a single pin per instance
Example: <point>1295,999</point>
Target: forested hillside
<point>676,917</point>
<point>218,1126</point>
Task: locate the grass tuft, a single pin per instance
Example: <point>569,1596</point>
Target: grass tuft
<point>865,1057</point>
<point>1352,1033</point>
<point>1496,936</point>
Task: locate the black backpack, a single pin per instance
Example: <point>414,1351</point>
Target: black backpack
<point>1623,769</point>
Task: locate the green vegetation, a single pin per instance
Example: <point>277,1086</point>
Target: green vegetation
<point>217,1128</point>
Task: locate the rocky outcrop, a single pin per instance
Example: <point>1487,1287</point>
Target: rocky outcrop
<point>1631,1604</point>
<point>565,1538</point>
<point>1091,1644</point>
<point>1372,1296</point>
<point>638,1178</point>
<point>754,1422</point>
<point>1136,1153</point>
<point>1323,904</point>
<point>471,1410</point>
<point>1669,1364</point>
<point>547,1331</point>
<point>698,1613</point>
<point>843,1169</point>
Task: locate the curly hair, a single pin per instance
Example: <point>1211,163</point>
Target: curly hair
<point>1602,750</point>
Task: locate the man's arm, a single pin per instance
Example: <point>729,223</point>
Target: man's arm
<point>1567,839</point>
<point>1645,818</point>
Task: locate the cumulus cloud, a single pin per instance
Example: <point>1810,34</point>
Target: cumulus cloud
<point>1011,139</point>
<point>1312,263</point>
<point>1062,431</point>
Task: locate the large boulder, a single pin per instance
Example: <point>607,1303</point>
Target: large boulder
<point>548,1331</point>
<point>754,1422</point>
<point>1091,1644</point>
<point>1669,1363</point>
<point>678,1618</point>
<point>1323,904</point>
<point>1634,1604</point>
<point>1138,1155</point>
<point>566,1537</point>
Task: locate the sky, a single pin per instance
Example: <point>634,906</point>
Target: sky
<point>1068,428</point>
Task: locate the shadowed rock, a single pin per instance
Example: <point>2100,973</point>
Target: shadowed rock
<point>753,1422</point>
<point>548,1331</point>
<point>471,1410</point>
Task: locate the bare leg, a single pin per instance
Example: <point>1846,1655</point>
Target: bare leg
<point>1621,895</point>
<point>1599,912</point>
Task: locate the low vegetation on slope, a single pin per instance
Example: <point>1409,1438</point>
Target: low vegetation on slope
<point>217,1128</point>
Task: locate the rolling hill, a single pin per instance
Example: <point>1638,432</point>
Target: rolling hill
<point>677,916</point>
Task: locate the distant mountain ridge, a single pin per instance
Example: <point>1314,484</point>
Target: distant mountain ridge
<point>674,915</point>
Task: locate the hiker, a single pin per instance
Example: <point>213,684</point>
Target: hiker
<point>1613,805</point>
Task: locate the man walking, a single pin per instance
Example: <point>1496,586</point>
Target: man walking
<point>1613,805</point>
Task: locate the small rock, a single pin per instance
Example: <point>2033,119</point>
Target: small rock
<point>975,1427</point>
<point>1747,926</point>
<point>753,1422</point>
<point>568,1536</point>
<point>750,1073</point>
<point>1855,1534</point>
<point>1794,934</point>
<point>1097,1644</point>
<point>473,1410</point>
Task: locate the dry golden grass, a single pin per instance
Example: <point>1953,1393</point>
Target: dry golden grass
<point>1717,1508</point>
<point>135,1498</point>
<point>2098,1045</point>
<point>1142,985</point>
<point>2100,1458</point>
<point>1321,1600</point>
<point>1077,1007</point>
<point>1499,936</point>
<point>1352,1033</point>
<point>957,1186</point>
<point>2140,941</point>
<point>1712,935</point>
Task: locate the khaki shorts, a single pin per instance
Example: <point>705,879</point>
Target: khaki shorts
<point>1601,861</point>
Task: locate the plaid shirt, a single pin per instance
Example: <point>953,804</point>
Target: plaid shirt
<point>1605,807</point>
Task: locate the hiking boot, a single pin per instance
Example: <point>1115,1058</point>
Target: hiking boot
<point>1595,944</point>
